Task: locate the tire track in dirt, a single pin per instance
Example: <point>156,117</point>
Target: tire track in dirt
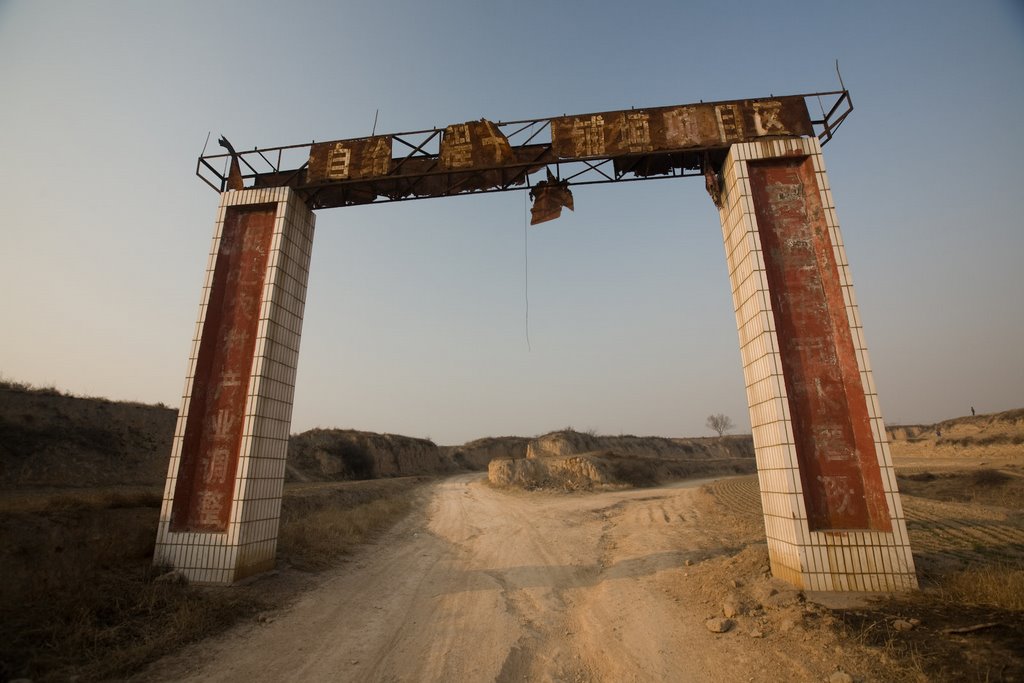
<point>954,530</point>
<point>960,531</point>
<point>495,585</point>
<point>739,494</point>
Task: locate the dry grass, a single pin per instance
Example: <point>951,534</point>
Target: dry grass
<point>103,500</point>
<point>987,486</point>
<point>900,661</point>
<point>79,600</point>
<point>989,477</point>
<point>110,625</point>
<point>999,585</point>
<point>85,499</point>
<point>317,538</point>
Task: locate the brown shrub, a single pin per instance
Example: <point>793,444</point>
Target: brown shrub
<point>989,477</point>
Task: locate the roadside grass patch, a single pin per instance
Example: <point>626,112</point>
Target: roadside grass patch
<point>988,486</point>
<point>79,600</point>
<point>111,625</point>
<point>315,538</point>
<point>996,585</point>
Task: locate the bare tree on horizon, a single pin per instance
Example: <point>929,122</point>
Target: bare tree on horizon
<point>720,423</point>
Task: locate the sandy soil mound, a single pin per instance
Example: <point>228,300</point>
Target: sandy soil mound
<point>568,441</point>
<point>574,461</point>
<point>568,472</point>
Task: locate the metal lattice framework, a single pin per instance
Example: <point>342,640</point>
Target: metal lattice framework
<point>416,167</point>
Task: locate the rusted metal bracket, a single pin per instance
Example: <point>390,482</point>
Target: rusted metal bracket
<point>835,116</point>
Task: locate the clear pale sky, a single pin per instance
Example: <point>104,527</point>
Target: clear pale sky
<point>416,314</point>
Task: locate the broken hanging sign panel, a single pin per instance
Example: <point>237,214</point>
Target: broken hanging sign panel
<point>549,196</point>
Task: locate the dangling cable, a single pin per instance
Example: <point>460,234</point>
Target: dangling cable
<point>526,265</point>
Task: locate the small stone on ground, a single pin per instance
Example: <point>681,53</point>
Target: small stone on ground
<point>719,625</point>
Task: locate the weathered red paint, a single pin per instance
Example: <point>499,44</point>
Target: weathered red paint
<point>842,482</point>
<point>213,429</point>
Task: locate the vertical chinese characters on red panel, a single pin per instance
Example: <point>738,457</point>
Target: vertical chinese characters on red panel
<point>832,433</point>
<point>214,426</point>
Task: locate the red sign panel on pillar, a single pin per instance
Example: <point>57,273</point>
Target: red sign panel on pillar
<point>839,470</point>
<point>213,429</point>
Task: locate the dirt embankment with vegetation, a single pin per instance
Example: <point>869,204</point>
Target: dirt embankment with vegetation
<point>81,481</point>
<point>339,454</point>
<point>477,455</point>
<point>53,440</point>
<point>50,439</point>
<point>974,436</point>
<point>571,460</point>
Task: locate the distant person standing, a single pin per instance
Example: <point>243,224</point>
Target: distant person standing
<point>972,411</point>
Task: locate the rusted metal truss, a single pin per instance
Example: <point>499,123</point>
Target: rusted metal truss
<point>530,154</point>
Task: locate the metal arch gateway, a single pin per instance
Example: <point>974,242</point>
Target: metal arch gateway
<point>832,511</point>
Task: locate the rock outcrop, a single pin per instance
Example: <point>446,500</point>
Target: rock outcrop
<point>333,454</point>
<point>476,455</point>
<point>567,472</point>
<point>571,460</point>
<point>567,442</point>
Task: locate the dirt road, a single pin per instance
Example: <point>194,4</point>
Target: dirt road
<point>491,585</point>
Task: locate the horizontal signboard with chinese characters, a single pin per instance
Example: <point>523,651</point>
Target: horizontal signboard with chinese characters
<point>482,145</point>
<point>665,129</point>
<point>350,159</point>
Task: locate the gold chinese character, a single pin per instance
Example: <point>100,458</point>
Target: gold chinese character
<point>636,132</point>
<point>338,159</point>
<point>376,159</point>
<point>767,119</point>
<point>681,129</point>
<point>730,123</point>
<point>497,141</point>
<point>457,146</point>
<point>588,136</point>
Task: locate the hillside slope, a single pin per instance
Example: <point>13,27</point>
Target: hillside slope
<point>983,436</point>
<point>52,440</point>
<point>48,439</point>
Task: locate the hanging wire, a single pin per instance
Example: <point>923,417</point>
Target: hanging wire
<point>526,265</point>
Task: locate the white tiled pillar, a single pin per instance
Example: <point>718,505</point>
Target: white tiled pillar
<point>832,512</point>
<point>222,499</point>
